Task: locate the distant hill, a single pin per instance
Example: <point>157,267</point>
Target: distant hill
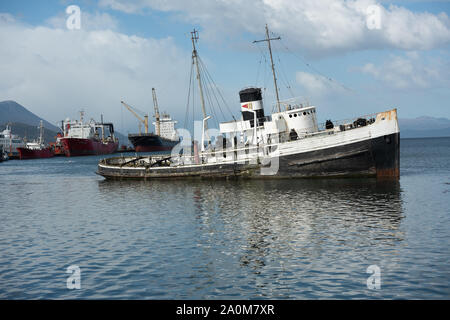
<point>425,133</point>
<point>11,111</point>
<point>424,127</point>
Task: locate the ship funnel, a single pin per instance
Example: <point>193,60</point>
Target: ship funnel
<point>251,100</point>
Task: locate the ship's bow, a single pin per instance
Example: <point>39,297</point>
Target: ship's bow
<point>386,146</point>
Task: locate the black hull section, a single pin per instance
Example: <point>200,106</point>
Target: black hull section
<point>377,157</point>
<point>151,142</point>
<point>386,153</point>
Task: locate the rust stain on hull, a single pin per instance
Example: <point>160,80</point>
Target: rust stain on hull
<point>393,173</point>
<point>387,115</point>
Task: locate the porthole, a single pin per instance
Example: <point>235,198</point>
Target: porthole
<point>295,115</point>
<point>290,116</point>
<point>304,113</point>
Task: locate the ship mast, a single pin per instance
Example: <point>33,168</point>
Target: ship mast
<point>268,39</point>
<point>81,121</point>
<point>155,104</point>
<point>103,128</point>
<point>41,133</point>
<point>194,38</point>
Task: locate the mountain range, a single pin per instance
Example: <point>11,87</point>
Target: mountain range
<point>11,111</point>
<point>424,127</point>
<point>25,123</point>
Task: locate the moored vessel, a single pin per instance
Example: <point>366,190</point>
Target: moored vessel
<point>289,143</point>
<point>165,136</point>
<point>84,139</point>
<point>10,143</point>
<point>36,149</point>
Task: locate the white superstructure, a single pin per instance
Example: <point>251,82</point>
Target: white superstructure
<point>294,130</point>
<point>37,144</point>
<point>86,130</point>
<point>166,127</point>
<point>10,142</point>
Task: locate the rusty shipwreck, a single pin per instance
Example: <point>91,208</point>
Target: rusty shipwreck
<point>289,143</point>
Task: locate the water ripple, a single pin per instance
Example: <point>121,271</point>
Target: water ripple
<point>290,239</point>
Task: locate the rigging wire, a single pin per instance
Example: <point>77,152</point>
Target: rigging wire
<point>214,85</point>
<point>259,68</point>
<point>209,105</point>
<point>209,91</point>
<point>285,80</point>
<point>331,80</point>
<point>186,117</point>
<point>267,66</point>
<point>283,75</point>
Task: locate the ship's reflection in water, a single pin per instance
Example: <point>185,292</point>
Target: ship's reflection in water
<point>273,238</point>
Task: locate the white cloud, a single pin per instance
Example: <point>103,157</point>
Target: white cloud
<point>318,27</point>
<point>56,72</point>
<point>410,71</point>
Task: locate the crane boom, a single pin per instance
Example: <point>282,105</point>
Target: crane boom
<point>155,104</point>
<point>144,121</point>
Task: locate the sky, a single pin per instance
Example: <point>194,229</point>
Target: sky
<point>348,58</point>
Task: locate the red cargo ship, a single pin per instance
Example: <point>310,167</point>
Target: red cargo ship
<point>86,139</point>
<point>36,149</point>
<point>85,147</point>
<point>30,153</point>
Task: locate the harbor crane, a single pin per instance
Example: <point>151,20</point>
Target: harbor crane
<point>157,118</point>
<point>133,111</point>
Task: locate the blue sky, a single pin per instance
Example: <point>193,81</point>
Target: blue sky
<point>124,48</point>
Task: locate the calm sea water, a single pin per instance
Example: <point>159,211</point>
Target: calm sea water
<point>287,239</point>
